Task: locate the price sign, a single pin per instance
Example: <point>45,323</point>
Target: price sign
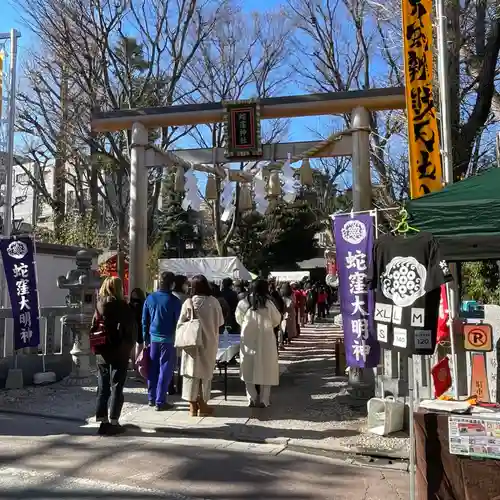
<point>478,338</point>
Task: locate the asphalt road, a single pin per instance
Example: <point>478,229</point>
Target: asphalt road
<point>52,460</point>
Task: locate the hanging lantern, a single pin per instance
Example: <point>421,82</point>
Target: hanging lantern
<point>211,188</point>
<point>245,202</point>
<point>306,173</point>
<point>274,186</point>
<point>179,180</point>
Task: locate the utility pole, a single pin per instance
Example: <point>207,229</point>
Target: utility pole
<point>446,154</point>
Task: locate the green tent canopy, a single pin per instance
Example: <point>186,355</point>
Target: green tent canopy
<point>464,217</point>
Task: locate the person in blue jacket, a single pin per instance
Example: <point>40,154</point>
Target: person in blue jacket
<point>159,321</point>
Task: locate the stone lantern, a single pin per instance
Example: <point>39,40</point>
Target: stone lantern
<point>81,284</point>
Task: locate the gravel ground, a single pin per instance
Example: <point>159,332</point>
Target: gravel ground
<point>64,401</point>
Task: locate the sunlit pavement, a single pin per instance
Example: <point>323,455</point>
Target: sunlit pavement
<point>44,459</point>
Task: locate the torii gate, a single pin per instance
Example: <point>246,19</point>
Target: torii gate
<point>359,103</point>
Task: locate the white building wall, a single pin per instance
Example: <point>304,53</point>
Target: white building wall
<point>23,194</point>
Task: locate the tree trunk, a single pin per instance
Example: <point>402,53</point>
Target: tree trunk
<point>60,161</point>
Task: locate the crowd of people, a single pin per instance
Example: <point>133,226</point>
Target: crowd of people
<point>266,317</point>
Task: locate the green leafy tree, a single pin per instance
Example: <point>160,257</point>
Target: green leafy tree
<point>277,241</point>
<point>76,229</point>
<point>481,281</point>
<point>175,228</point>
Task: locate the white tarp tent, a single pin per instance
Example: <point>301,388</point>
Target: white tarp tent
<point>282,276</point>
<point>213,268</point>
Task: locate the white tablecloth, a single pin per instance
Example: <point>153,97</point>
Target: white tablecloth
<point>229,346</point>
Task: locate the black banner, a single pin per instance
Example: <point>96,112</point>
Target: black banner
<point>243,131</point>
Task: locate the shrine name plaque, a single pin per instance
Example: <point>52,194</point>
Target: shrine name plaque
<point>242,131</point>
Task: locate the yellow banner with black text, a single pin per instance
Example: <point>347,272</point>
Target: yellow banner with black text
<point>426,174</point>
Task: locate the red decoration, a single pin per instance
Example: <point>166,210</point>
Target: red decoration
<point>441,375</point>
<point>443,331</point>
<point>109,268</point>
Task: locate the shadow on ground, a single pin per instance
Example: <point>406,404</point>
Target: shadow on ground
<point>175,470</point>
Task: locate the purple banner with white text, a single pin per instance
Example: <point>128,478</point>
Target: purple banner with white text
<point>354,235</point>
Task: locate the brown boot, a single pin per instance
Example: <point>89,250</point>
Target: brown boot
<point>193,409</point>
<point>204,409</point>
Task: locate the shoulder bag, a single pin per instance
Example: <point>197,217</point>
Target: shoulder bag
<point>188,334</point>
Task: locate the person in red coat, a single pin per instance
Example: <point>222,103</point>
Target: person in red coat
<point>300,306</point>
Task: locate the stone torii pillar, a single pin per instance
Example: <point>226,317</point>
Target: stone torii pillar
<point>138,253</point>
<point>361,173</point>
<point>362,381</point>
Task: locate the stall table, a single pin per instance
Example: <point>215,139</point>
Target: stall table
<point>443,476</point>
<point>229,347</point>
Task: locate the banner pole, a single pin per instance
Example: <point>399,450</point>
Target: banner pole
<point>446,153</point>
<point>9,168</point>
<point>44,340</point>
<point>357,212</point>
<point>411,403</point>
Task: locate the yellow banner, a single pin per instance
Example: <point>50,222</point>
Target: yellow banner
<point>423,136</point>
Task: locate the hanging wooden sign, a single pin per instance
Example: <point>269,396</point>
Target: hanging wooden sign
<point>242,130</point>
<point>479,382</point>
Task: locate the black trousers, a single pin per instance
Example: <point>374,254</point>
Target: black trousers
<point>111,379</point>
<point>322,310</point>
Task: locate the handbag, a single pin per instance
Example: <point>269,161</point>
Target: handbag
<point>143,362</point>
<point>98,336</point>
<point>188,334</point>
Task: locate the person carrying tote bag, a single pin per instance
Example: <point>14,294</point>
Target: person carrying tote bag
<point>198,363</point>
<point>188,335</point>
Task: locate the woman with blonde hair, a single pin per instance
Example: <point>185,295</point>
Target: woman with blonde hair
<point>112,337</point>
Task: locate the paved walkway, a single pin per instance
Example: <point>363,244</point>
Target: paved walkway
<point>310,409</point>
<point>139,467</point>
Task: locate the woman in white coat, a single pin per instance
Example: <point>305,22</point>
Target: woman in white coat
<point>197,369</point>
<point>258,316</point>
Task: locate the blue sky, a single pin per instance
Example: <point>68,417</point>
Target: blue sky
<point>301,129</point>
<point>11,18</point>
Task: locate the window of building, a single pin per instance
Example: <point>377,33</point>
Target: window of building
<point>22,178</point>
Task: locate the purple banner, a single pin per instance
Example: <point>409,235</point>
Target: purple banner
<point>18,256</point>
<point>354,237</point>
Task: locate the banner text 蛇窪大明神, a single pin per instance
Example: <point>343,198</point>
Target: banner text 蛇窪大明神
<point>354,236</point>
<point>18,256</point>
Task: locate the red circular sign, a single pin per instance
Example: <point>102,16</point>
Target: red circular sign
<point>477,337</point>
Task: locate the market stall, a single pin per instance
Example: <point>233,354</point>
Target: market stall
<point>448,476</point>
<point>463,217</point>
<point>465,220</point>
<point>289,276</point>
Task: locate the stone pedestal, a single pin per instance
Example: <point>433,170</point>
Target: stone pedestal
<point>81,373</point>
